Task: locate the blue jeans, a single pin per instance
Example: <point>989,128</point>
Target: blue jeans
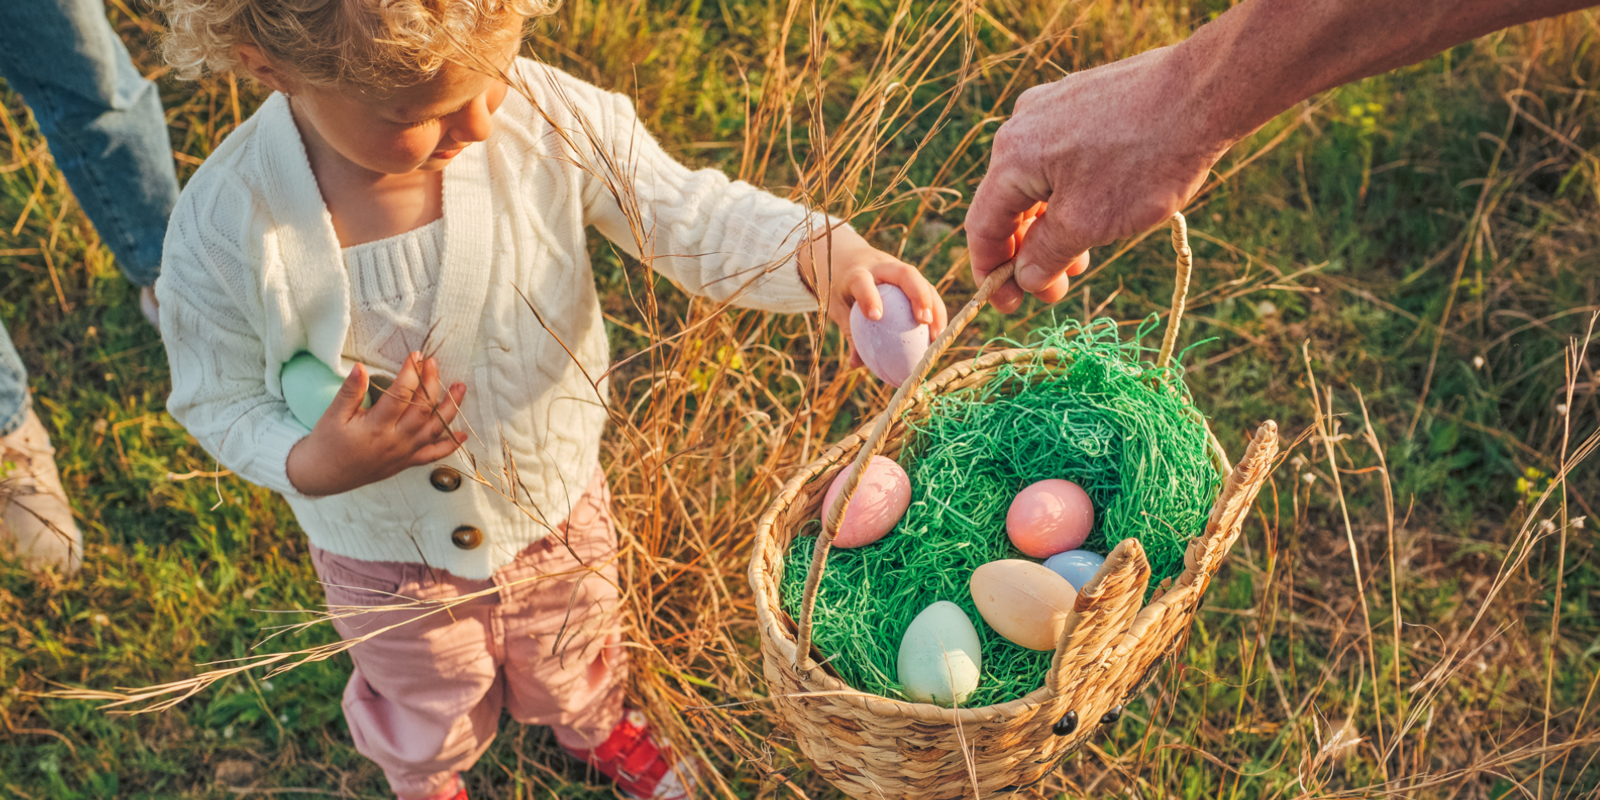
<point>108,135</point>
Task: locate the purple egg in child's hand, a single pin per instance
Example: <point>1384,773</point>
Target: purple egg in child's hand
<point>890,346</point>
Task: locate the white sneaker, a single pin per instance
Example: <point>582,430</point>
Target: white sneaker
<point>37,520</point>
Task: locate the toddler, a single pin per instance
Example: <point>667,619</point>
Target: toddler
<point>410,187</point>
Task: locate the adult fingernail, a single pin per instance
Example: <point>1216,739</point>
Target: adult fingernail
<point>1030,277</point>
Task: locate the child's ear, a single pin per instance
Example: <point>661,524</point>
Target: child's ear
<point>261,68</point>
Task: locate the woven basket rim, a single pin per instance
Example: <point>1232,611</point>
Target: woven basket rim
<point>770,618</point>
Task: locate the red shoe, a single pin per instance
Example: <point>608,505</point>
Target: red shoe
<point>457,790</point>
<point>642,766</point>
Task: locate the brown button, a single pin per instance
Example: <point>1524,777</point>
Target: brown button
<point>445,479</point>
<point>466,537</point>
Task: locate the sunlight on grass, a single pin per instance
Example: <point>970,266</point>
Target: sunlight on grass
<point>1397,272</point>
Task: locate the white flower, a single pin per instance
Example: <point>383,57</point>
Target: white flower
<point>1477,362</point>
<point>1308,477</point>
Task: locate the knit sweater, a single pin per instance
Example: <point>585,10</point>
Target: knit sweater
<point>392,287</point>
<point>252,274</point>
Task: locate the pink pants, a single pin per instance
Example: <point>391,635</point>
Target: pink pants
<point>425,698</point>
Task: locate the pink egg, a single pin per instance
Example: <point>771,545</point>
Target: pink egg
<point>1050,517</point>
<point>880,500</point>
<point>891,346</point>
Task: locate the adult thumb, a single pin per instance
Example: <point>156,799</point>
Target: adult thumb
<point>1048,249</point>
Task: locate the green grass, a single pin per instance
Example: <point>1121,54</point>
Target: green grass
<point>1353,231</point>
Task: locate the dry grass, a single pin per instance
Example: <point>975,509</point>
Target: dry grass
<point>1398,620</point>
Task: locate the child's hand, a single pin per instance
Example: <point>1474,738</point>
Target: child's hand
<point>352,447</point>
<point>857,269</point>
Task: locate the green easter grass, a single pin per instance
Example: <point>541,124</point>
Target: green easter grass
<point>1141,453</point>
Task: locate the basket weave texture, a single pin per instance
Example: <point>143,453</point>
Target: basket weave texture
<point>875,747</point>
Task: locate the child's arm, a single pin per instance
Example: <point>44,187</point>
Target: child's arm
<point>220,393</point>
<point>717,238</point>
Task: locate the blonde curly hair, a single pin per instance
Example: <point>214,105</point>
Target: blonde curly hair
<point>376,44</point>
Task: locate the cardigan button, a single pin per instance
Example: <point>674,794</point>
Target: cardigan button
<point>466,537</point>
<point>445,479</point>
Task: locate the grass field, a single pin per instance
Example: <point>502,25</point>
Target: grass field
<point>1400,272</point>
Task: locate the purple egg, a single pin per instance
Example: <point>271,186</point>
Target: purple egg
<point>891,346</point>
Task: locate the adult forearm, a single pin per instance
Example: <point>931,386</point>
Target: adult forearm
<point>1115,150</point>
<point>1263,56</point>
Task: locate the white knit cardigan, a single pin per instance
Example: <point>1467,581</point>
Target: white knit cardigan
<point>251,274</point>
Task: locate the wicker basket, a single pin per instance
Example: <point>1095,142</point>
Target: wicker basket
<point>875,747</point>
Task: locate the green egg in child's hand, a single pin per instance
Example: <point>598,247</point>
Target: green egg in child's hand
<point>309,387</point>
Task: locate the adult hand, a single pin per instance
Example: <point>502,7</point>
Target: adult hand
<point>351,447</point>
<point>1097,156</point>
<point>1114,150</point>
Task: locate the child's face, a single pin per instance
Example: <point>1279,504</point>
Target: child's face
<point>420,127</point>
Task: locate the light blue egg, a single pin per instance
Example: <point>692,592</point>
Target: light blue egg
<point>1077,566</point>
<point>309,387</point>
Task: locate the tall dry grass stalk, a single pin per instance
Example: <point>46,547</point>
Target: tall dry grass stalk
<point>711,415</point>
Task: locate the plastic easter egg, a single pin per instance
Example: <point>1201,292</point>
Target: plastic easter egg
<point>309,387</point>
<point>1025,602</point>
<point>1050,517</point>
<point>893,345</point>
<point>1077,566</point>
<point>940,656</point>
<point>880,501</point>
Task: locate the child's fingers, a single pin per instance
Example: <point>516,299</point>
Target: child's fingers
<point>397,398</point>
<point>347,401</point>
<point>926,305</point>
<point>434,424</point>
<point>419,413</point>
<point>862,291</point>
<point>439,449</point>
<point>941,315</point>
<point>450,405</point>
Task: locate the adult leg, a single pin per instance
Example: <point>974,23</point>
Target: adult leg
<point>102,119</point>
<point>37,520</point>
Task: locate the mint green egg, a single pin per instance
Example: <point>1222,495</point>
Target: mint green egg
<point>940,656</point>
<point>309,387</point>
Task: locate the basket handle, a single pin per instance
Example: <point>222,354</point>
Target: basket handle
<point>902,398</point>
